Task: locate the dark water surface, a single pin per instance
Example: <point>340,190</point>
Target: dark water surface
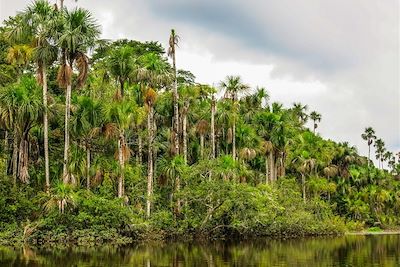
<point>357,250</point>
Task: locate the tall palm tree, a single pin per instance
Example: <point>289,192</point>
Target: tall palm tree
<point>369,136</point>
<point>233,87</point>
<point>173,43</point>
<point>41,18</point>
<point>79,32</point>
<point>150,98</point>
<point>202,127</point>
<point>315,117</point>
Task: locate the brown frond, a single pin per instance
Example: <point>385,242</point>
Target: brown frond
<point>110,130</point>
<point>82,64</point>
<point>64,75</point>
<point>150,97</point>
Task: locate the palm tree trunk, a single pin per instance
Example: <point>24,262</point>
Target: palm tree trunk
<point>87,167</point>
<point>213,127</point>
<point>140,149</point>
<point>303,183</point>
<point>234,139</point>
<point>46,130</point>
<point>176,108</point>
<point>6,151</point>
<point>184,132</point>
<point>202,146</point>
<point>66,130</point>
<point>121,165</point>
<point>15,158</point>
<point>149,162</point>
<point>266,170</point>
<point>272,167</point>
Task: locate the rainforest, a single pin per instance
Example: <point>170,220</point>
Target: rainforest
<point>110,142</point>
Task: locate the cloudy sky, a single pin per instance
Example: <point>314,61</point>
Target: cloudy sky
<point>341,57</point>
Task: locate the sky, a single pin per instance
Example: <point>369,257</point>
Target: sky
<point>341,57</point>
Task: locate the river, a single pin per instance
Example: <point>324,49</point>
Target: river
<point>350,250</point>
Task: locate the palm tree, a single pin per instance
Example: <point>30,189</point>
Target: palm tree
<point>369,136</point>
<point>173,43</point>
<point>202,127</point>
<point>79,32</point>
<point>150,98</point>
<point>300,111</point>
<point>20,110</point>
<point>315,117</point>
<point>41,18</point>
<point>234,86</point>
<point>122,64</point>
<point>86,123</point>
<point>119,116</point>
<point>380,150</point>
<point>267,149</point>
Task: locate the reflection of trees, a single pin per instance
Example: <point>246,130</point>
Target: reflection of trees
<point>382,250</point>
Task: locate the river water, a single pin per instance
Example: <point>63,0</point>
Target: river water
<point>351,250</point>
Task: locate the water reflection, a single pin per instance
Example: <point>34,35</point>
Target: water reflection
<point>379,250</point>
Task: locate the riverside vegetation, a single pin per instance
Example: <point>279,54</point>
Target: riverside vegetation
<point>108,142</point>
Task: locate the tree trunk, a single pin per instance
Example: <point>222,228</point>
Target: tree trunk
<point>272,167</point>
<point>46,130</point>
<point>149,162</point>
<point>15,158</point>
<point>6,150</point>
<point>184,131</point>
<point>303,183</point>
<point>87,167</point>
<point>23,158</point>
<point>66,176</point>
<point>201,146</point>
<point>176,108</point>
<point>266,170</point>
<point>140,149</point>
<point>234,139</point>
<point>121,165</point>
<point>213,127</point>
<point>121,86</point>
<point>369,157</point>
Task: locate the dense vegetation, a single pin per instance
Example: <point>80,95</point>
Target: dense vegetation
<point>106,141</point>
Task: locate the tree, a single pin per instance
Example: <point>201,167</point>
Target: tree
<point>79,32</point>
<point>150,98</point>
<point>173,43</point>
<point>315,117</point>
<point>369,136</point>
<point>20,110</point>
<point>41,19</point>
<point>380,151</point>
<point>122,64</point>
<point>300,111</point>
<point>234,86</point>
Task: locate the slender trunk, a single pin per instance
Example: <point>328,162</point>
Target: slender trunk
<point>66,138</point>
<point>202,146</point>
<point>234,139</point>
<point>15,158</point>
<point>6,150</point>
<point>23,158</point>
<point>87,167</point>
<point>121,86</point>
<point>154,148</point>
<point>140,149</point>
<point>121,165</point>
<point>213,127</point>
<point>176,108</point>
<point>272,167</point>
<point>184,131</point>
<point>303,183</point>
<point>61,4</point>
<point>266,170</point>
<point>46,131</point>
<point>149,162</point>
